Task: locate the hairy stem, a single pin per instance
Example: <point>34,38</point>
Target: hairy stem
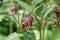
<point>11,27</point>
<point>18,24</point>
<point>39,23</point>
<point>52,33</point>
<point>42,20</point>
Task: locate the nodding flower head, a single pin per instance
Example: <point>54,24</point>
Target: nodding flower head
<point>30,20</point>
<point>27,22</point>
<point>13,8</point>
<point>57,12</point>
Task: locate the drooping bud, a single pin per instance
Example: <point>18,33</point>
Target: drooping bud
<point>55,22</point>
<point>44,23</point>
<point>24,27</point>
<point>57,12</point>
<point>30,20</point>
<point>27,22</point>
<point>13,8</point>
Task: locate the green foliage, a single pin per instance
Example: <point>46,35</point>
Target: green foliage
<point>41,10</point>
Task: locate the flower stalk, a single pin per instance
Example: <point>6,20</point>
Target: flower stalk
<point>10,28</point>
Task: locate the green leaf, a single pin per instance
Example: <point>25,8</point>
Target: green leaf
<point>36,32</point>
<point>38,10</point>
<point>24,5</point>
<point>57,2</point>
<point>2,37</point>
<point>47,12</point>
<point>1,17</point>
<point>29,35</point>
<point>47,35</point>
<point>57,34</point>
<point>14,36</point>
<point>35,2</point>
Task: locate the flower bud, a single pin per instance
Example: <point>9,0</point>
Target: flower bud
<point>30,20</point>
<point>24,27</point>
<point>27,22</point>
<point>55,22</point>
<point>13,8</point>
<point>57,12</point>
<point>44,23</point>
